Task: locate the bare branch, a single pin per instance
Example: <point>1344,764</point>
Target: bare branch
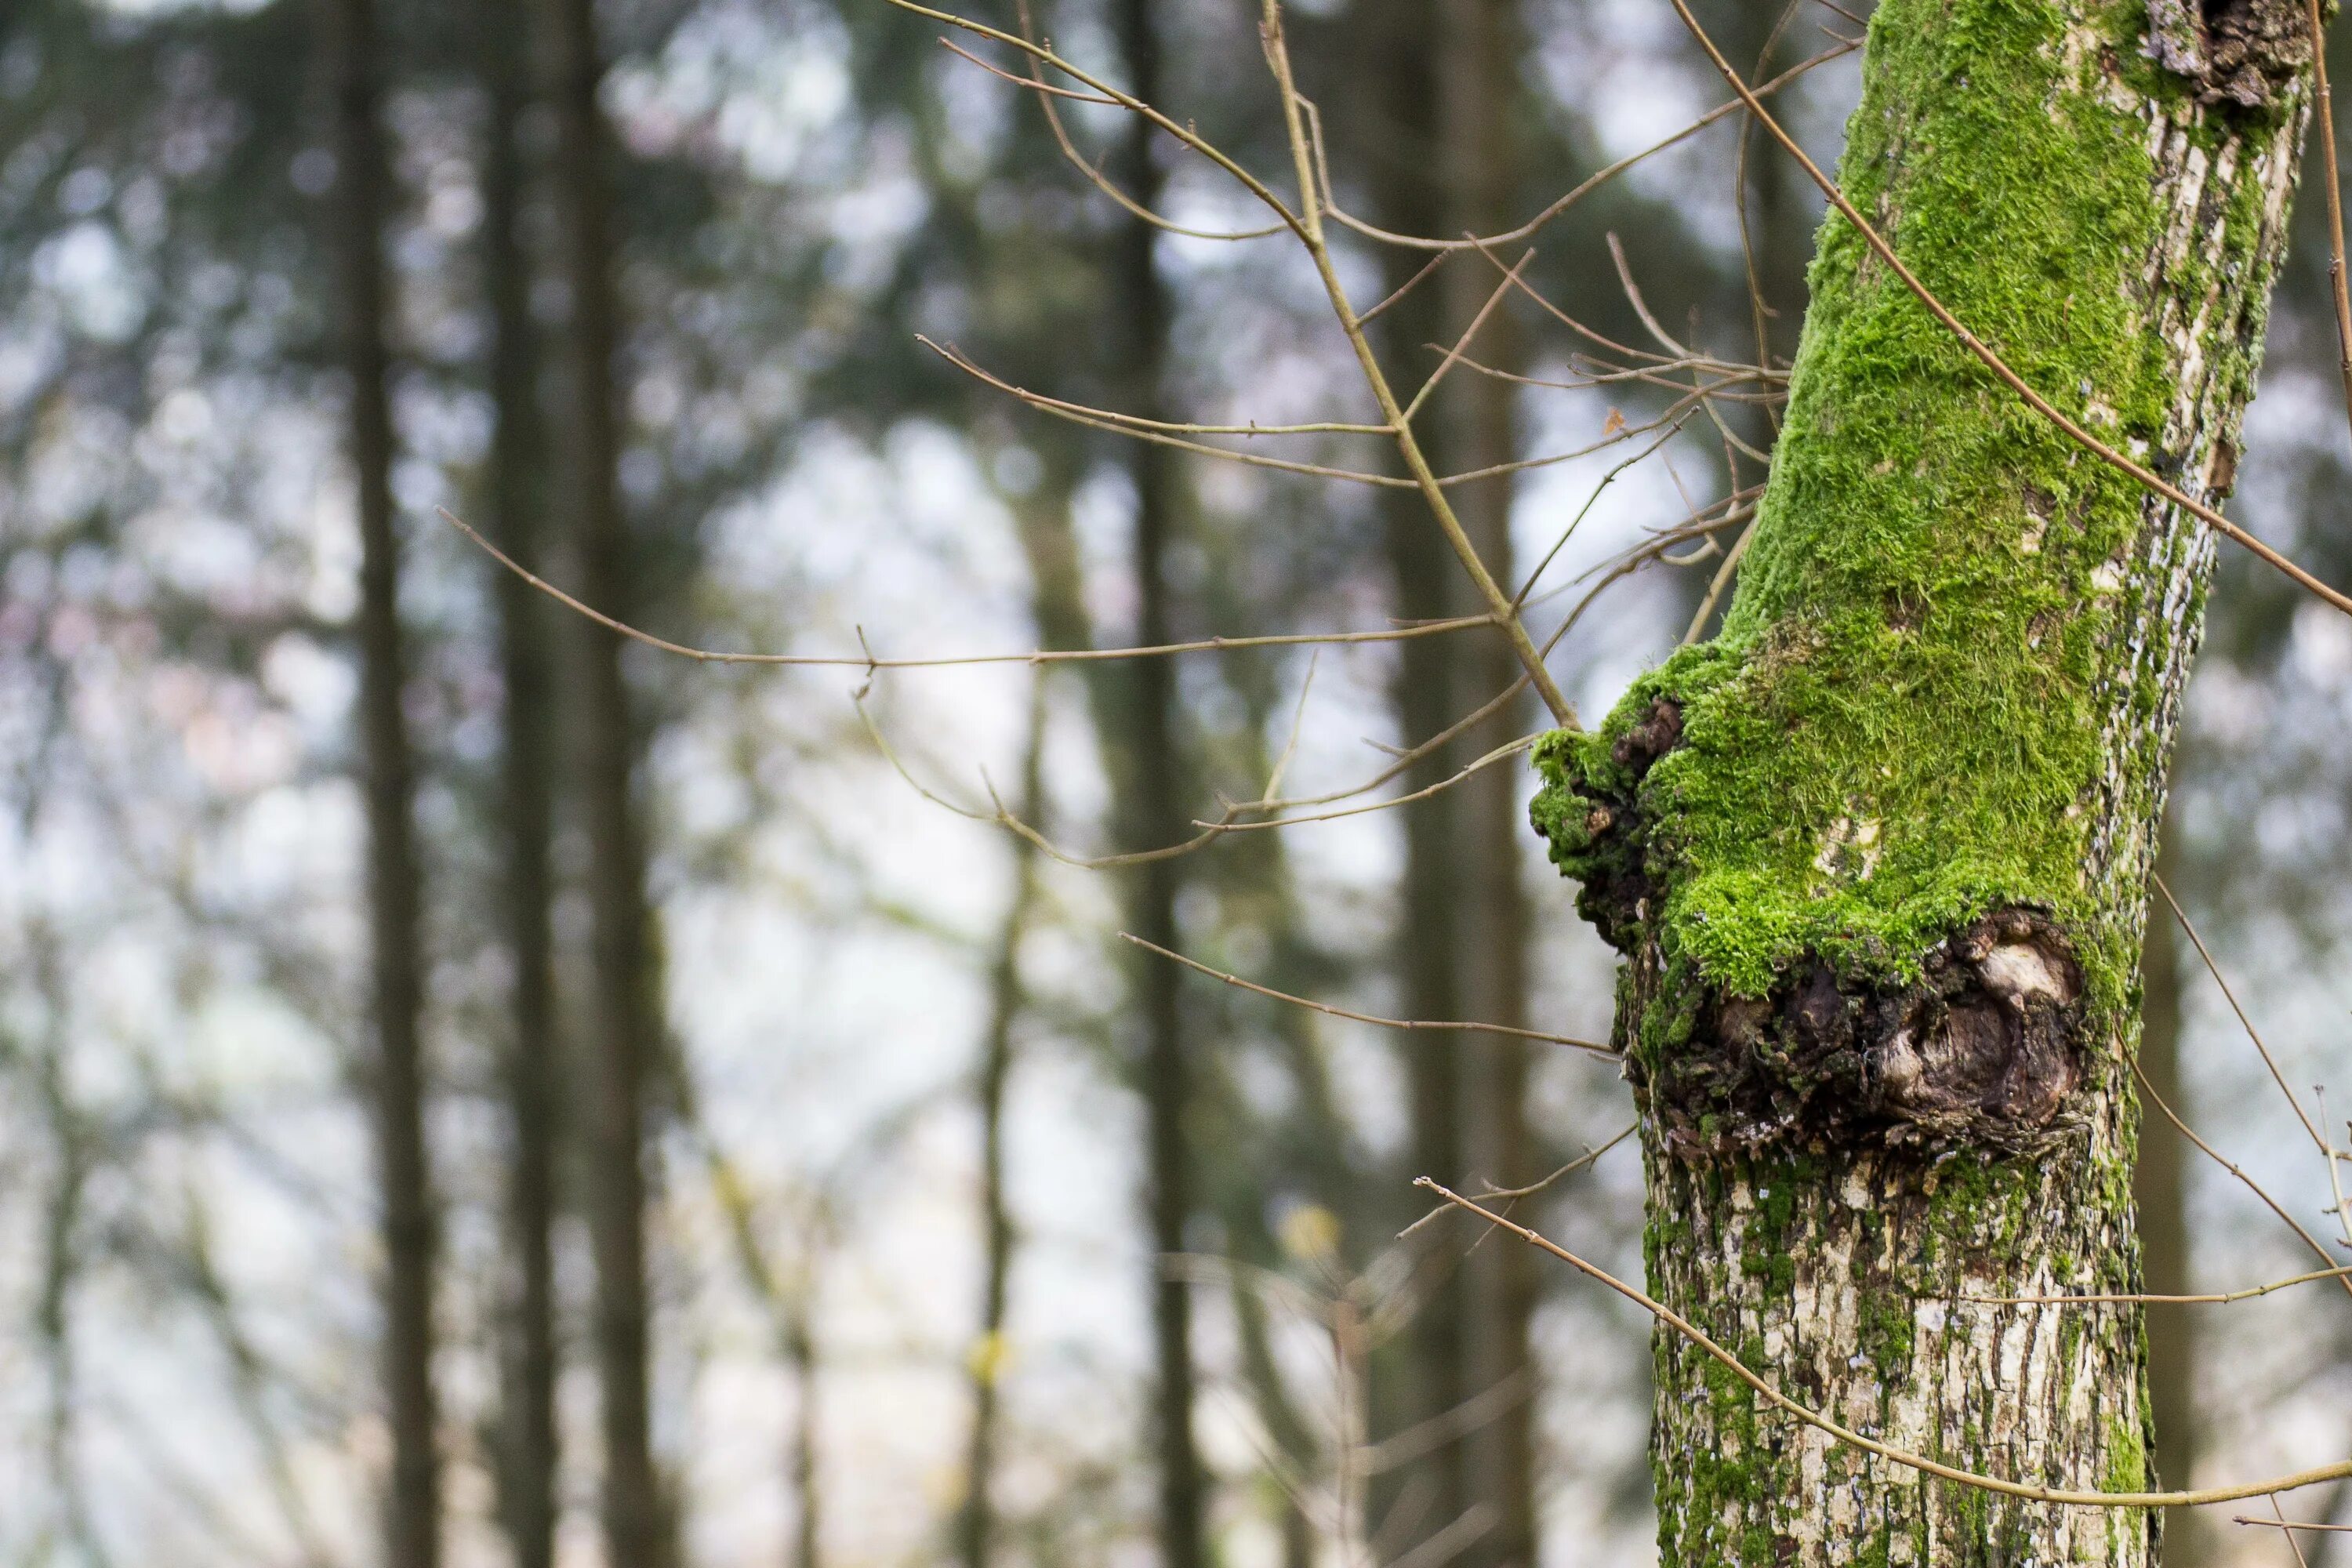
<point>870,662</point>
<point>1594,1047</point>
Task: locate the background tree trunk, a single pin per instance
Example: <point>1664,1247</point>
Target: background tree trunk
<point>625,994</point>
<point>527,1468</point>
<point>1398,114</point>
<point>1479,98</point>
<point>1008,1000</point>
<point>1156,817</point>
<point>397,1069</point>
<point>1878,854</point>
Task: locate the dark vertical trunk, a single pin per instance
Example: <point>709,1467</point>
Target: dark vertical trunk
<point>624,1001</point>
<point>1878,854</point>
<point>977,1527</point>
<point>1400,112</point>
<point>1477,99</point>
<point>1144,309</point>
<point>396,1069</point>
<point>517,486</point>
<point>2159,1189</point>
<point>800,1460</point>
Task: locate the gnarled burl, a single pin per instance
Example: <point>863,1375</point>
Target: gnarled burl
<point>1877,855</point>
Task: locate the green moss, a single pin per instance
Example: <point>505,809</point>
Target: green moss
<point>2126,1458</point>
<point>1898,729</point>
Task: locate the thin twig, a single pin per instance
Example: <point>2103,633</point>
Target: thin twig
<point>1591,182</point>
<point>872,662</point>
<point>1032,82</point>
<point>2218,1298</point>
<point>2253,1034</point>
<point>1595,1047</point>
<point>2291,1525</point>
<point>2270,1203</point>
<point>1590,1156</point>
<point>2335,267</point>
<point>1427,792</point>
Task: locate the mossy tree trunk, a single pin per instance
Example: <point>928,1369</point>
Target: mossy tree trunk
<point>1878,854</point>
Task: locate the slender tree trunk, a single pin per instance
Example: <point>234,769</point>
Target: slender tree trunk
<point>800,1460</point>
<point>2159,1190</point>
<point>1008,1001</point>
<point>527,1418</point>
<point>625,1001</point>
<point>1479,96</point>
<point>1878,854</point>
<point>397,1069</point>
<point>1400,118</point>
<point>1155,817</point>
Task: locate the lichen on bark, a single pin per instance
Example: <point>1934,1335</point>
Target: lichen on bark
<point>1877,854</point>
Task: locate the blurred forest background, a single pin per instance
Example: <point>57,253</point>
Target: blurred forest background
<point>470,1085</point>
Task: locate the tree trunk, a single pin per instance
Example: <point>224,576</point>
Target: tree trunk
<point>1878,854</point>
<point>2159,1192</point>
<point>527,1468</point>
<point>1399,117</point>
<point>625,1002</point>
<point>1480,47</point>
<point>397,1072</point>
<point>1008,1000</point>
<point>1156,818</point>
<point>801,1458</point>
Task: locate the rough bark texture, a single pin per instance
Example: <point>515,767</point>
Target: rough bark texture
<point>1878,854</point>
<point>528,1440</point>
<point>396,1067</point>
<point>625,1003</point>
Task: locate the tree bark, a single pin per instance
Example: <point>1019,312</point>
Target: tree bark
<point>1878,854</point>
<point>1155,817</point>
<point>397,1071</point>
<point>2159,1192</point>
<point>625,990</point>
<point>527,1468</point>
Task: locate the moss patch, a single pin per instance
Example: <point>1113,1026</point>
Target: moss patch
<point>1900,728</point>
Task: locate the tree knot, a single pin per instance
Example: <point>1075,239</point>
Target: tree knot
<point>2236,51</point>
<point>1979,1051</point>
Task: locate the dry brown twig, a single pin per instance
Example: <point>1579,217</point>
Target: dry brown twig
<point>871,662</point>
<point>2210,1298</point>
<point>2288,1524</point>
<point>1594,1047</point>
